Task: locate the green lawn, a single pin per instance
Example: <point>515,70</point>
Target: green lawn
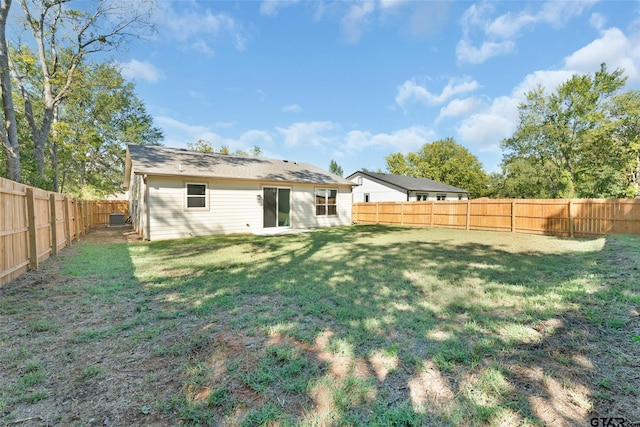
<point>362,325</point>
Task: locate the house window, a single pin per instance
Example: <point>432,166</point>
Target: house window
<point>366,197</point>
<point>459,196</point>
<point>326,202</point>
<point>422,197</point>
<point>441,197</point>
<point>196,197</point>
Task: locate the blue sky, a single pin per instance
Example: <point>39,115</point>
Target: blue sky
<point>313,81</point>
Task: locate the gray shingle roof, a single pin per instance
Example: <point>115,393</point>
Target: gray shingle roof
<point>157,160</point>
<point>410,183</point>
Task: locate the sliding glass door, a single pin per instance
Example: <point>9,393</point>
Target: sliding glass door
<point>276,207</point>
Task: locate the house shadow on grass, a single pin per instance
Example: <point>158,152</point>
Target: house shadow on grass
<point>374,325</point>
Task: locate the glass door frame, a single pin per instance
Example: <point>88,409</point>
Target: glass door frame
<point>264,200</point>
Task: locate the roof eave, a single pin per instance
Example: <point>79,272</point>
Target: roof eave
<point>226,178</point>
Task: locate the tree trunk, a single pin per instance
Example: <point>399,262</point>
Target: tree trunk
<point>9,131</point>
<point>54,151</point>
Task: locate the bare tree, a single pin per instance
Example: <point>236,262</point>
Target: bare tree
<point>8,131</point>
<point>64,37</point>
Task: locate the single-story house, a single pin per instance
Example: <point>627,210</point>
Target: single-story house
<point>384,187</point>
<point>177,193</point>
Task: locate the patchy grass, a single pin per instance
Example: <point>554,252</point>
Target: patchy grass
<point>363,325</point>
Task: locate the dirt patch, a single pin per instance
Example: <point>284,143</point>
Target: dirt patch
<point>85,380</point>
<point>111,235</point>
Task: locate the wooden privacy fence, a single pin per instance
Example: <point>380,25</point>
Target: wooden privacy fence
<point>35,224</point>
<point>559,217</point>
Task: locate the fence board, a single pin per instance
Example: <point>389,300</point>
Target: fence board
<point>558,217</point>
<point>35,224</point>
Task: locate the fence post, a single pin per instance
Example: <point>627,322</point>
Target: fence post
<point>85,221</point>
<point>67,222</point>
<point>571,216</point>
<point>402,213</point>
<point>468,214</point>
<point>31,223</point>
<point>377,213</point>
<point>74,233</point>
<point>54,224</point>
<point>80,218</point>
<point>431,220</point>
<point>513,216</point>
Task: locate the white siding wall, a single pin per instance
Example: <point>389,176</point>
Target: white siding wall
<point>433,196</point>
<point>377,192</point>
<point>234,207</point>
<point>304,208</point>
<point>136,203</point>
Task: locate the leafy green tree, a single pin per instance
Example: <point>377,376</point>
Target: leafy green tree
<point>397,164</point>
<point>567,138</point>
<point>626,132</point>
<point>256,151</point>
<point>443,161</point>
<point>63,38</point>
<point>9,128</point>
<point>335,168</point>
<point>202,146</point>
<point>519,179</point>
<point>91,129</point>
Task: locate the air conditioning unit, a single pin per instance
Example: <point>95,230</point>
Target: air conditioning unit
<point>116,220</point>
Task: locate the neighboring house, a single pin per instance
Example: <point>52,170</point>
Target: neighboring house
<point>383,187</point>
<point>178,193</point>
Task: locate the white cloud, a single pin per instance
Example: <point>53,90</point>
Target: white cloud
<point>330,136</point>
<point>196,27</point>
<point>304,133</point>
<point>391,4</point>
<point>141,70</point>
<point>497,120</point>
<point>411,91</point>
<point>614,48</point>
<point>293,108</point>
<point>459,107</point>
<point>179,134</point>
<point>498,34</point>
<point>549,80</point>
<point>558,13</point>
<point>271,7</point>
<point>355,19</point>
<point>597,21</point>
<point>403,140</point>
<point>255,137</point>
<point>509,24</point>
<point>466,52</point>
<point>203,47</point>
<point>224,124</point>
<point>485,130</point>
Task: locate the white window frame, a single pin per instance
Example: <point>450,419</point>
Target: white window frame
<point>441,197</point>
<point>422,197</point>
<point>187,197</point>
<point>326,201</point>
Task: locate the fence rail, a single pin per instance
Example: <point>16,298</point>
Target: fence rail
<point>35,224</point>
<point>559,217</point>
